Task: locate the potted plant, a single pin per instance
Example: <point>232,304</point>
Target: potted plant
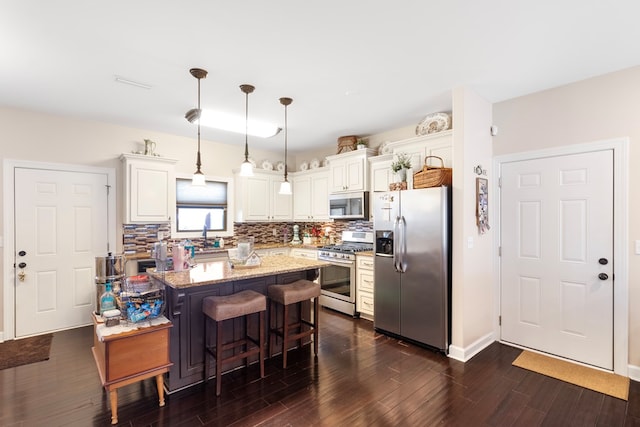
<point>362,143</point>
<point>400,166</point>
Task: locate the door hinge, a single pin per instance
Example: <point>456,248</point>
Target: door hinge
<point>499,250</point>
<point>500,182</point>
<point>108,188</point>
<point>499,320</point>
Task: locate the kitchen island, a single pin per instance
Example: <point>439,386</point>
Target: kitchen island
<point>185,291</point>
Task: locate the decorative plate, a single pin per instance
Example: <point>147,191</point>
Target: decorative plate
<point>436,122</point>
<point>385,148</point>
<point>267,165</point>
<point>314,164</point>
<point>280,166</point>
<point>304,166</point>
<point>325,162</point>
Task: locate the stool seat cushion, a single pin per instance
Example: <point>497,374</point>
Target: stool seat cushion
<point>230,306</point>
<point>292,293</point>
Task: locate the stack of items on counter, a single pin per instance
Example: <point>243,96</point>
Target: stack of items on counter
<point>136,301</point>
<point>140,300</point>
<point>133,298</point>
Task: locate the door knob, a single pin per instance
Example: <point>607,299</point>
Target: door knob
<point>603,276</point>
<point>22,253</point>
<point>603,261</point>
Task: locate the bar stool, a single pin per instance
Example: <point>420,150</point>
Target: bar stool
<point>221,308</point>
<point>286,295</point>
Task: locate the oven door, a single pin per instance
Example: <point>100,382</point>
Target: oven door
<point>338,280</point>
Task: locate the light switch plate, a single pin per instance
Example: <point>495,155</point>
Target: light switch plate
<point>637,247</point>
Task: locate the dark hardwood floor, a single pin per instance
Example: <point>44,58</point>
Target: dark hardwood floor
<point>360,378</point>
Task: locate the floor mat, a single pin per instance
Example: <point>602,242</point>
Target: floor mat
<point>24,351</point>
<point>593,379</point>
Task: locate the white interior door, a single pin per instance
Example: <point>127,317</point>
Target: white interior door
<point>60,227</point>
<point>557,256</point>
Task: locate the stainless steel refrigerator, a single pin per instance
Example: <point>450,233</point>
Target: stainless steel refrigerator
<point>412,265</point>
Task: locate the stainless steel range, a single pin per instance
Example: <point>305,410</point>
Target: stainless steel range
<point>338,280</point>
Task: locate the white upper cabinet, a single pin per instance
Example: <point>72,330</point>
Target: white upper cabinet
<point>349,171</point>
<point>149,188</point>
<point>311,195</point>
<point>381,173</point>
<point>258,198</point>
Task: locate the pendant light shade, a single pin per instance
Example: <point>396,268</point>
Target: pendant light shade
<point>192,116</point>
<point>246,168</point>
<point>285,186</point>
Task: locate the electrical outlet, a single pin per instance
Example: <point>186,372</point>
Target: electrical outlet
<point>160,235</point>
<point>275,232</point>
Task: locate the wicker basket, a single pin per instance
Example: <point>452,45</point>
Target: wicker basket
<point>432,176</point>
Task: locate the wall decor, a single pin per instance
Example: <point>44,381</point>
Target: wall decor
<point>482,205</point>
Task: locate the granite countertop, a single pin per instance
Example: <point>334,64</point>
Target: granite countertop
<point>208,273</point>
<point>210,251</point>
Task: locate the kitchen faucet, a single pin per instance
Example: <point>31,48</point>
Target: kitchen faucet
<point>204,233</point>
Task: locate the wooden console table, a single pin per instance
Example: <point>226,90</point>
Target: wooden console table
<point>119,361</point>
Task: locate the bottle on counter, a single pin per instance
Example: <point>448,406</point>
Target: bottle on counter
<point>221,242</point>
<point>107,299</point>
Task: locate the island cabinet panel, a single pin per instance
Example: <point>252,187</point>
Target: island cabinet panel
<point>184,309</point>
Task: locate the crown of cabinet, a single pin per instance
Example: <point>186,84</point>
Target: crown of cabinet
<point>149,188</point>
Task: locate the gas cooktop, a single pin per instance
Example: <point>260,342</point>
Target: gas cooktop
<point>349,247</point>
<point>352,242</point>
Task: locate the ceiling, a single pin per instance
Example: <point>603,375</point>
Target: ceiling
<point>354,67</point>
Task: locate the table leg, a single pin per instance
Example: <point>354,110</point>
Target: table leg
<point>114,406</point>
<point>160,383</point>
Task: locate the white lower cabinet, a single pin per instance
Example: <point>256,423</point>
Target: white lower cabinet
<point>364,286</point>
<point>304,253</point>
<point>272,251</point>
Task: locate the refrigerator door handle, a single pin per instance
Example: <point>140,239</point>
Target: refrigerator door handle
<point>403,245</point>
<point>396,244</point>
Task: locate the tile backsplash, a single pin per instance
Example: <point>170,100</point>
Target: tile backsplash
<point>138,238</point>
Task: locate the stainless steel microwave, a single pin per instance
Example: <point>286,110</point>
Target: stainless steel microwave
<point>349,205</point>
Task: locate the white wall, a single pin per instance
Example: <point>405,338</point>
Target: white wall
<point>599,108</point>
<point>39,137</point>
<point>473,306</point>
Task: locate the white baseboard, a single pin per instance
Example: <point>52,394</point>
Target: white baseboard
<point>634,372</point>
<point>464,354</point>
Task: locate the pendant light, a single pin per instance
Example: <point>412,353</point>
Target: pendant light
<point>285,186</point>
<point>192,116</point>
<point>246,168</point>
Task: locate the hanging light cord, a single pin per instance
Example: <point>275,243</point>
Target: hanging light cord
<point>246,127</point>
<point>198,163</point>
<point>285,142</point>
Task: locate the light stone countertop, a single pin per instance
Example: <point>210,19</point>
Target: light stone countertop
<point>365,253</point>
<point>208,273</point>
